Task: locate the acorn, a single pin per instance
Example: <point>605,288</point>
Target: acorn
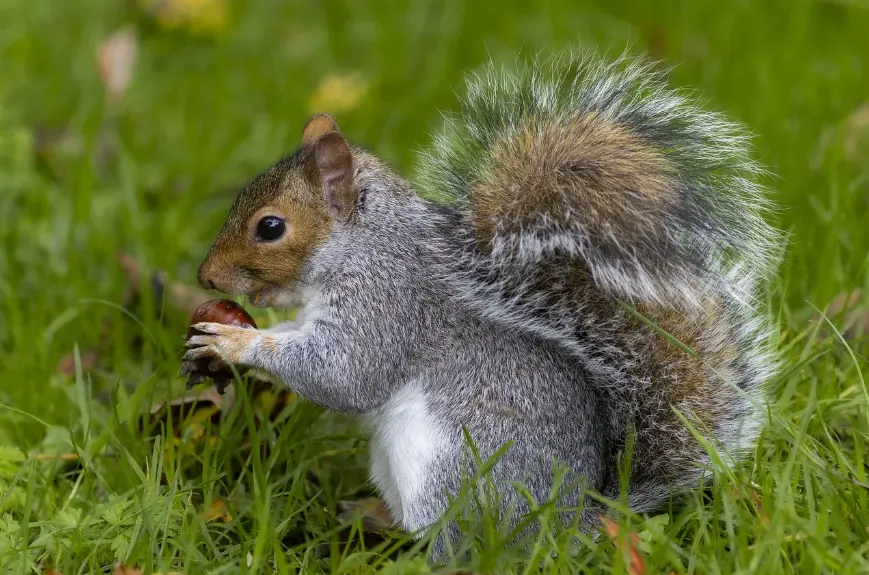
<point>226,312</point>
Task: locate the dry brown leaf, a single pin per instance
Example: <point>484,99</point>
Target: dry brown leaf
<point>59,148</point>
<point>209,395</point>
<point>121,569</point>
<point>849,137</point>
<point>374,514</point>
<point>190,416</point>
<point>89,359</point>
<point>53,456</point>
<point>117,57</point>
<point>637,564</point>
<point>218,510</point>
<point>855,143</point>
<point>852,308</point>
<point>657,41</point>
<point>764,518</point>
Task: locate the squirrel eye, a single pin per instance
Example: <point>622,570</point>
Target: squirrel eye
<point>270,228</point>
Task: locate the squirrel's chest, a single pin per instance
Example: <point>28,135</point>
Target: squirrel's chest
<point>406,441</point>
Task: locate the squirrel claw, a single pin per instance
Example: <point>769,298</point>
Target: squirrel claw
<point>186,368</point>
<point>198,353</point>
<point>198,341</point>
<point>195,379</point>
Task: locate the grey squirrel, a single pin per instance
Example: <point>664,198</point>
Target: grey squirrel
<point>582,259</point>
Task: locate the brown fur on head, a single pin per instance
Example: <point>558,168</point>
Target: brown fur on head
<point>281,217</point>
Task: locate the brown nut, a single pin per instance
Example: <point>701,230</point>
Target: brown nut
<point>223,311</point>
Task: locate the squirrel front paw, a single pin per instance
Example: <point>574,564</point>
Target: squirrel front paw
<point>221,344</point>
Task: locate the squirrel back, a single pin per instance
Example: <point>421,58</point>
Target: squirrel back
<point>608,213</point>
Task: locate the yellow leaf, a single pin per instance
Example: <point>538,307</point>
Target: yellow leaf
<point>217,510</point>
<point>337,94</point>
<point>198,16</point>
<point>856,141</point>
<point>55,456</point>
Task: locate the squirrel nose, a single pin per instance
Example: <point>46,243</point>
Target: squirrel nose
<point>204,280</point>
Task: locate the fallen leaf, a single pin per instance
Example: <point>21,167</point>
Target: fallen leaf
<point>121,569</point>
<point>209,395</point>
<point>271,400</point>
<point>848,138</point>
<point>190,416</point>
<point>59,148</point>
<point>764,518</point>
<point>89,359</point>
<point>217,510</point>
<point>851,308</point>
<point>374,514</point>
<point>629,547</point>
<point>855,143</point>
<point>657,41</point>
<point>117,57</point>
<point>196,16</point>
<point>56,456</point>
<point>338,93</point>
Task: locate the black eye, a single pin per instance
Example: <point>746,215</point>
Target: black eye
<point>270,228</point>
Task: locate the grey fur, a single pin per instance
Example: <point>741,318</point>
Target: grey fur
<point>385,318</point>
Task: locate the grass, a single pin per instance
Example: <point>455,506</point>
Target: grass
<point>153,176</point>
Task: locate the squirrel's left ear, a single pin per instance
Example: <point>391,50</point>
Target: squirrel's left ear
<point>335,167</point>
<point>317,126</point>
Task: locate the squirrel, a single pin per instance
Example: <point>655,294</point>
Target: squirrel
<point>577,270</point>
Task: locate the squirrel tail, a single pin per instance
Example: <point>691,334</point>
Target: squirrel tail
<point>596,200</point>
<point>604,162</point>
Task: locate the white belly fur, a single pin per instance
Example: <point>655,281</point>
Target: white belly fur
<point>406,438</point>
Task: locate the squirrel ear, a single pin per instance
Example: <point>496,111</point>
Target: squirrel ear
<point>335,166</point>
<point>317,126</point>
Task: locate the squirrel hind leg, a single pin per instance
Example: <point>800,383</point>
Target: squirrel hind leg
<point>707,375</point>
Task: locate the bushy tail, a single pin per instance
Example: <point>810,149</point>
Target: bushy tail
<point>600,160</point>
<point>581,184</point>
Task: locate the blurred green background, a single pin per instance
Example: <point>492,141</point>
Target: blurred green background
<point>218,90</point>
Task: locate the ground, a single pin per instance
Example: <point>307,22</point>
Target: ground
<point>91,168</point>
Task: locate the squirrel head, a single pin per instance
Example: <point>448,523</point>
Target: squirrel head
<point>282,216</point>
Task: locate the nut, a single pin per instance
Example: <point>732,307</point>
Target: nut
<point>226,312</point>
